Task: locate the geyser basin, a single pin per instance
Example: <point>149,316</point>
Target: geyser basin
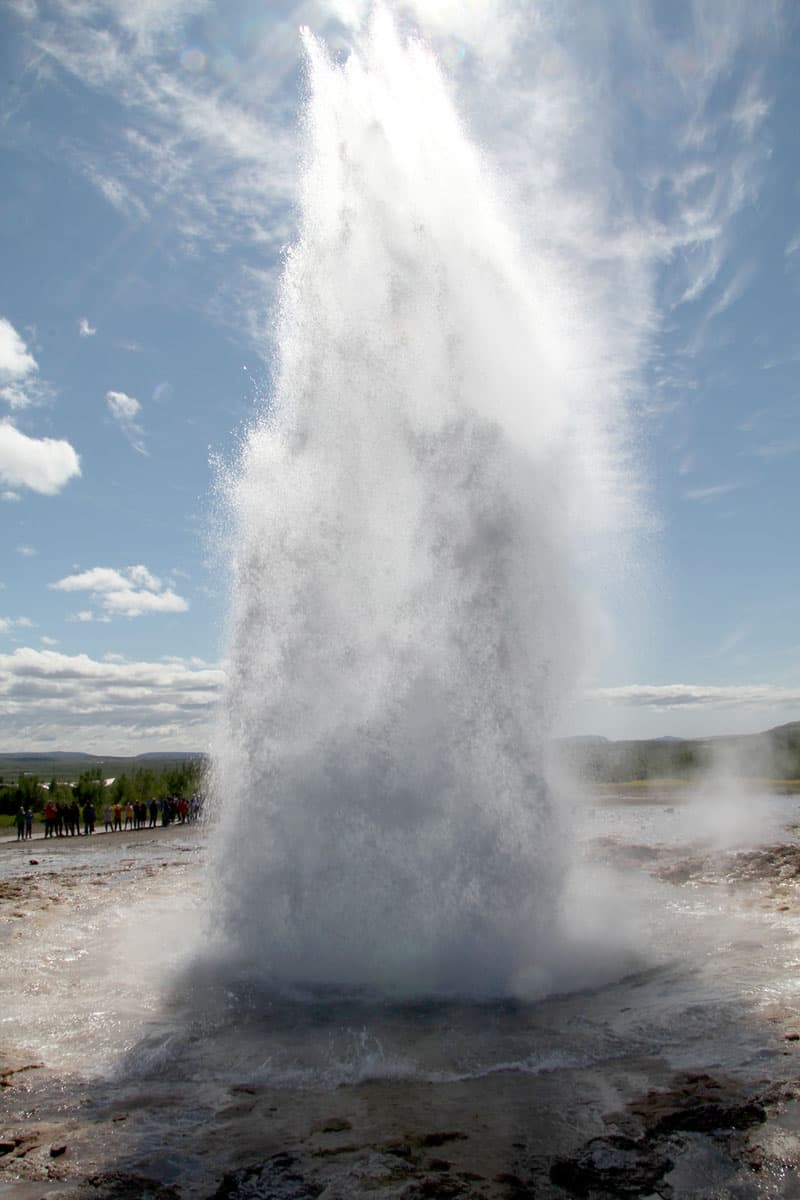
<point>404,622</point>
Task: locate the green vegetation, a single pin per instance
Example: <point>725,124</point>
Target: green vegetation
<point>145,778</point>
<point>772,756</point>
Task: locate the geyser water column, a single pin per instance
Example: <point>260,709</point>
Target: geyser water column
<point>403,622</point>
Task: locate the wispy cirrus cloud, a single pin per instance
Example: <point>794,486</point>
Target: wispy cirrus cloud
<point>133,592</point>
<point>729,643</point>
<point>57,700</point>
<point>210,135</point>
<point>690,695</point>
<point>125,410</point>
<point>713,492</point>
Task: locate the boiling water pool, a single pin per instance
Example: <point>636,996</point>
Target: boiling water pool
<point>110,970</point>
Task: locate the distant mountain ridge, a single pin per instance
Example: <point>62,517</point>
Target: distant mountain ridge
<point>773,753</point>
<point>67,765</point>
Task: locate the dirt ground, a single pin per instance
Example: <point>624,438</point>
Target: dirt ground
<point>631,1126</point>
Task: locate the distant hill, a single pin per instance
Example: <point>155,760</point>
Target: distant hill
<point>68,765</point>
<point>774,753</point>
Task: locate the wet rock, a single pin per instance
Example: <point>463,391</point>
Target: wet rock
<point>333,1125</point>
<point>276,1179</point>
<point>34,862</point>
<point>336,1151</point>
<point>438,1164</point>
<point>697,1103</point>
<point>119,1185</point>
<point>57,1151</point>
<point>440,1139</point>
<point>436,1189</point>
<point>617,1166</point>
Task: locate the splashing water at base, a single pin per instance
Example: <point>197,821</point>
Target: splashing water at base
<point>408,514</point>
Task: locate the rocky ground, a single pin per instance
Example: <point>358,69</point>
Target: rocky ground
<point>631,1127</point>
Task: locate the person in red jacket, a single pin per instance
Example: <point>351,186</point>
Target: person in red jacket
<point>50,813</point>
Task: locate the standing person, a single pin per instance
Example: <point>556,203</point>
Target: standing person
<point>49,818</point>
<point>129,815</point>
<point>19,820</point>
<point>88,818</point>
<point>75,814</point>
<point>29,822</point>
<point>118,816</point>
<point>153,812</point>
<point>108,818</point>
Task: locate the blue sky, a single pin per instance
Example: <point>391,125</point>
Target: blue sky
<point>150,159</point>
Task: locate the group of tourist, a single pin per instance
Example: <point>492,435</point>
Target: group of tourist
<point>65,820</point>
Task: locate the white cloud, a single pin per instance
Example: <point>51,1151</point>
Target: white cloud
<point>7,624</point>
<point>734,290</point>
<point>17,366</point>
<point>85,329</point>
<point>44,465</point>
<point>15,360</point>
<point>751,110</point>
<point>690,695</point>
<point>125,410</point>
<point>52,699</point>
<point>27,551</point>
<point>735,638</point>
<point>132,592</point>
<point>9,497</point>
<point>48,641</point>
<point>712,492</point>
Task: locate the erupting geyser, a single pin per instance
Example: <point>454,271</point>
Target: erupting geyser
<point>404,623</point>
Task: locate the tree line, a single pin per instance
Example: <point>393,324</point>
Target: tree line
<point>142,784</point>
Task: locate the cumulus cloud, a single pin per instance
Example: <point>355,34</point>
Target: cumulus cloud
<point>44,465</point>
<point>125,411</point>
<point>132,592</point>
<point>9,624</point>
<point>85,329</point>
<point>17,367</point>
<point>52,699</point>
